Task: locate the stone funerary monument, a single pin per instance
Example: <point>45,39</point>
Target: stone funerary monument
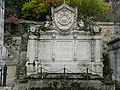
<point>1,26</point>
<point>65,44</point>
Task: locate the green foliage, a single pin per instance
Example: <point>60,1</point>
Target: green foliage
<point>24,24</point>
<point>38,9</point>
<point>108,20</point>
<point>90,8</point>
<point>87,21</point>
<point>13,7</point>
<point>87,8</point>
<point>34,9</point>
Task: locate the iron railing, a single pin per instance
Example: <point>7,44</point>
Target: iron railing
<point>3,75</point>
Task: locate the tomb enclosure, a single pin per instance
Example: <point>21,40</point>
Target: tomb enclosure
<point>64,42</point>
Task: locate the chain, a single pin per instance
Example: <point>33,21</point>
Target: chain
<point>83,71</point>
<point>53,71</point>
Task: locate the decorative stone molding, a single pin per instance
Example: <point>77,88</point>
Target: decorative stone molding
<point>64,18</point>
<point>66,42</point>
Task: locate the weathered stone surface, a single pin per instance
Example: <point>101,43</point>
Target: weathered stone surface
<point>68,84</point>
<point>1,27</point>
<point>114,57</point>
<point>64,44</point>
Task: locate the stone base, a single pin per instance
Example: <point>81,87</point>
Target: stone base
<point>70,67</point>
<point>61,85</point>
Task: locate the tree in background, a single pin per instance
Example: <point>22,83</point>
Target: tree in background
<point>13,7</point>
<point>115,11</point>
<point>90,8</point>
<point>36,9</point>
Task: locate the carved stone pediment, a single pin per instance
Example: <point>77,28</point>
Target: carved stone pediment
<point>64,18</point>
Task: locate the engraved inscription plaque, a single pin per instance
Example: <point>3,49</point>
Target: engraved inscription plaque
<point>45,50</point>
<point>64,50</point>
<point>83,50</point>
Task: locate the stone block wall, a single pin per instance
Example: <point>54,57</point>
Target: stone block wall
<point>1,26</point>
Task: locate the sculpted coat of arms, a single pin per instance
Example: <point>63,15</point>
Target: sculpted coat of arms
<point>64,19</point>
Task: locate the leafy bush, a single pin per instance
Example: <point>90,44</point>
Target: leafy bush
<point>37,9</point>
<point>108,20</point>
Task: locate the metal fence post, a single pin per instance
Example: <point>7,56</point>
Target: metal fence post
<point>41,71</point>
<point>64,73</point>
<point>4,75</point>
<point>87,73</point>
<point>86,78</point>
<point>0,76</point>
<point>25,70</point>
